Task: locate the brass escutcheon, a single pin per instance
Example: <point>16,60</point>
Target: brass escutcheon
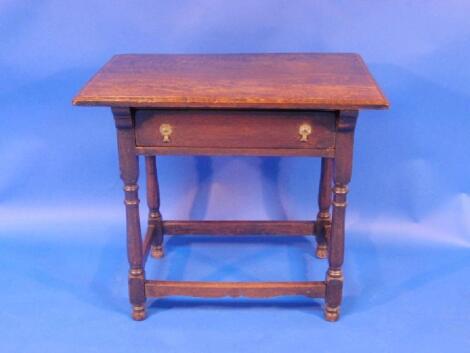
<point>304,131</point>
<point>166,130</point>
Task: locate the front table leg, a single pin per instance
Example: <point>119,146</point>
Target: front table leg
<point>129,167</point>
<point>345,125</point>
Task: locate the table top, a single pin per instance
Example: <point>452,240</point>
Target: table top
<point>255,81</point>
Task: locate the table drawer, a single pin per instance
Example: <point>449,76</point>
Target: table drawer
<point>235,129</point>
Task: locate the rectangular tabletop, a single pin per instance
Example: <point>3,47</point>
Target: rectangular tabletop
<point>256,81</point>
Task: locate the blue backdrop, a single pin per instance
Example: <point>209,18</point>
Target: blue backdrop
<point>62,254</point>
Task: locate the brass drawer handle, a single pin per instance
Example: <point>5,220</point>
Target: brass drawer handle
<point>166,130</point>
<point>304,131</point>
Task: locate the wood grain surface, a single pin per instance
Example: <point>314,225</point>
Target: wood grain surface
<point>313,289</point>
<point>259,81</point>
<point>235,104</point>
<point>235,129</point>
<point>221,228</point>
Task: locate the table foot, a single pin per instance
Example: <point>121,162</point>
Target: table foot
<point>157,251</point>
<point>139,312</point>
<point>322,251</point>
<point>331,314</point>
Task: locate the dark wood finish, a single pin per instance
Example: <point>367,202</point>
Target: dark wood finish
<point>260,81</point>
<point>129,167</point>
<point>235,129</point>
<point>295,228</point>
<point>346,123</point>
<point>227,151</point>
<point>244,104</point>
<point>153,202</point>
<point>323,224</point>
<point>313,289</point>
<point>147,244</point>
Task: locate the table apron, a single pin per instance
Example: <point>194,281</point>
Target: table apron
<point>240,132</point>
<point>259,152</point>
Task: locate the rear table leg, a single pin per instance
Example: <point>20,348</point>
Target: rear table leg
<point>153,201</point>
<point>324,203</point>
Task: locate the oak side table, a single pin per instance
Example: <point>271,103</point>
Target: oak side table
<point>235,104</point>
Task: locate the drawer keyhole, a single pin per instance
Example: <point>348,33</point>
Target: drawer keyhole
<point>166,130</point>
<point>304,131</point>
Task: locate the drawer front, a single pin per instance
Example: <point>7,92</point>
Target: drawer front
<point>235,129</point>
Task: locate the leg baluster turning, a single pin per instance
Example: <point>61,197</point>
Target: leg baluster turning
<point>129,167</point>
<point>341,177</point>
<point>153,201</point>
<point>334,276</point>
<point>323,223</point>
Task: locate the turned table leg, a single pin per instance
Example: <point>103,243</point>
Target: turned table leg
<point>341,177</point>
<point>323,223</point>
<point>153,201</point>
<point>129,167</point>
